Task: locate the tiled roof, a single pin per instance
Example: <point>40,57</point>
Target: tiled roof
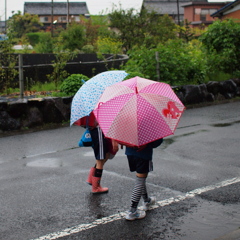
<point>225,8</point>
<point>166,6</point>
<point>59,8</point>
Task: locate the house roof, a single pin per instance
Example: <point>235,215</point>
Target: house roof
<point>227,7</point>
<point>2,23</point>
<point>59,8</point>
<point>202,3</point>
<point>166,6</point>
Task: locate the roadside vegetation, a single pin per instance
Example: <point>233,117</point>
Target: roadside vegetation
<point>158,49</point>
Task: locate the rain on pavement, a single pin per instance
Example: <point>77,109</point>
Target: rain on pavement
<point>196,179</point>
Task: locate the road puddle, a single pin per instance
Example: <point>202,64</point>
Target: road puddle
<point>46,162</point>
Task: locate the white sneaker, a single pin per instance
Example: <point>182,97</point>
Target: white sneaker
<point>146,205</point>
<point>138,214</point>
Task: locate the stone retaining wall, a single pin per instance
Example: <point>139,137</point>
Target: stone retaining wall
<point>30,113</point>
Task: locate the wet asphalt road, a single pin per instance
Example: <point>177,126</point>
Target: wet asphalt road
<point>196,179</point>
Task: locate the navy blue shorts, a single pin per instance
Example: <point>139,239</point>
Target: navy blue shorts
<point>139,165</point>
<point>100,144</point>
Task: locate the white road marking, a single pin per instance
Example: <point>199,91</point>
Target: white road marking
<point>118,216</point>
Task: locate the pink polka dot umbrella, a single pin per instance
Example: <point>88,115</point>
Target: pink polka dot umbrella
<point>138,111</point>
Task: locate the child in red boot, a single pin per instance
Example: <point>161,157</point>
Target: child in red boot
<point>104,149</point>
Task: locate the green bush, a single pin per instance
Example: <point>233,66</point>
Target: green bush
<point>74,37</point>
<point>45,44</point>
<point>34,38</point>
<point>71,84</point>
<point>179,63</point>
<point>88,49</point>
<point>135,74</point>
<point>222,41</point>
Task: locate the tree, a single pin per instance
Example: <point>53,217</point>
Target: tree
<point>180,63</point>
<point>60,62</point>
<point>45,43</point>
<point>186,32</point>
<point>74,37</point>
<point>222,40</point>
<point>103,25</point>
<point>8,62</point>
<point>20,24</point>
<point>109,46</point>
<point>135,28</point>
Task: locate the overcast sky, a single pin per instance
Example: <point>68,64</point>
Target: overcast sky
<point>94,6</point>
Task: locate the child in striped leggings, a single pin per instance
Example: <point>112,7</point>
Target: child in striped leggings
<point>140,161</point>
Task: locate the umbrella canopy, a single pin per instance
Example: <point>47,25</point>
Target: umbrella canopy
<point>138,111</point>
<point>88,95</point>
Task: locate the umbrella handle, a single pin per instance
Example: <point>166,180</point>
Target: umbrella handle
<point>99,104</point>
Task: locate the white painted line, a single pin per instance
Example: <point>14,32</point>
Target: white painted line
<point>118,216</point>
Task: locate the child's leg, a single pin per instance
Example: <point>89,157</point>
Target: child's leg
<point>139,188</point>
<point>144,193</point>
<point>136,196</point>
<point>101,155</point>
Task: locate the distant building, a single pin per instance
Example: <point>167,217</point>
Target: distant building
<point>231,10</point>
<point>171,7</point>
<point>199,13</point>
<point>2,26</point>
<point>57,12</point>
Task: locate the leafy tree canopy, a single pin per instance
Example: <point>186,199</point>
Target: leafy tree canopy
<point>20,24</point>
<point>74,37</point>
<point>222,39</point>
<point>135,28</point>
<point>179,62</point>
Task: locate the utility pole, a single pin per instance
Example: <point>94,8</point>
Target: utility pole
<point>178,12</point>
<point>20,69</point>
<point>67,13</point>
<point>5,16</point>
<point>52,20</point>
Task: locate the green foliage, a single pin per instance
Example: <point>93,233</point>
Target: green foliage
<point>179,63</point>
<point>103,25</point>
<point>26,47</point>
<point>135,74</point>
<point>47,86</point>
<point>20,24</point>
<point>142,60</point>
<point>45,44</point>
<point>88,49</point>
<point>8,62</point>
<point>71,84</point>
<point>61,59</point>
<point>109,46</point>
<point>34,38</point>
<point>74,37</point>
<point>91,31</point>
<point>134,28</point>
<point>186,32</point>
<point>222,42</point>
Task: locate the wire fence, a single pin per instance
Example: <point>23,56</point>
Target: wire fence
<point>38,66</point>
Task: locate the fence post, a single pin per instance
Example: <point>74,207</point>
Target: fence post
<point>20,70</point>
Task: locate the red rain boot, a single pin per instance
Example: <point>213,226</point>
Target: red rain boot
<point>96,187</point>
<point>90,175</point>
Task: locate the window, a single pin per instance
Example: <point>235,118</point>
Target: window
<point>62,19</point>
<point>197,11</point>
<point>77,19</point>
<point>204,12</point>
<point>43,19</point>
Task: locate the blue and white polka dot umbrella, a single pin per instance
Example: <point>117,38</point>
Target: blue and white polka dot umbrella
<point>88,95</point>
